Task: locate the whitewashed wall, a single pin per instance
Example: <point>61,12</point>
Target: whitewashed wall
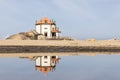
<point>46,29</point>
<point>42,29</point>
<point>38,29</point>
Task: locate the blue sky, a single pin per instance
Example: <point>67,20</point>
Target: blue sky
<point>81,19</point>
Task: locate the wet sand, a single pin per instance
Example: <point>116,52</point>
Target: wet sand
<point>56,49</point>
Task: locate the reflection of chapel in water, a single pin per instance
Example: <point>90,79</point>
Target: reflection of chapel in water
<point>46,64</point>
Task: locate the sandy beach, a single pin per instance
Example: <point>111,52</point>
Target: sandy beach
<point>100,43</point>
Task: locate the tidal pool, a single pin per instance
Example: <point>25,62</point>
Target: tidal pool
<point>81,67</point>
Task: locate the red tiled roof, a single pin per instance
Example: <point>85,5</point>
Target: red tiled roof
<point>44,20</point>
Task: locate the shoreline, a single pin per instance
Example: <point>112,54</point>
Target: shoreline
<point>58,46</point>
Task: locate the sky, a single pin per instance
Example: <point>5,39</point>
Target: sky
<point>79,19</point>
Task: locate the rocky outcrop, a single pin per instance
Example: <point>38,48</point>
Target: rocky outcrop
<point>23,36</point>
<point>32,35</point>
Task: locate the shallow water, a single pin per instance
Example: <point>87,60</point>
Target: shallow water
<point>99,67</point>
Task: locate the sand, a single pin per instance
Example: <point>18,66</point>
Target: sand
<point>99,43</point>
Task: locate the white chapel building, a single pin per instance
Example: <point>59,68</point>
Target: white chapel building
<point>46,28</point>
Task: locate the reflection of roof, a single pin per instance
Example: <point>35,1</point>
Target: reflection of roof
<point>45,69</point>
<point>44,21</point>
